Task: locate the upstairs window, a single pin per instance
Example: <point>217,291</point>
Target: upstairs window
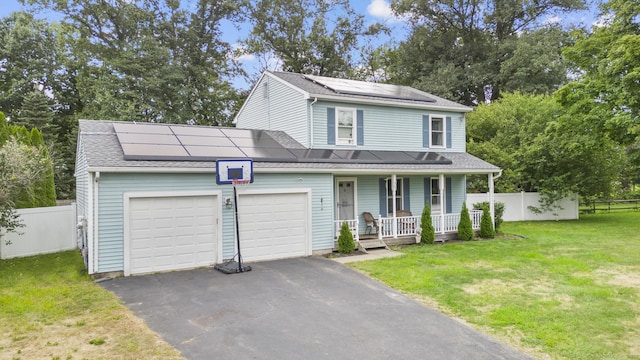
<point>346,126</point>
<point>437,131</point>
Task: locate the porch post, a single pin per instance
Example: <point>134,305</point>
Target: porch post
<point>394,188</point>
<point>491,205</point>
<point>442,205</point>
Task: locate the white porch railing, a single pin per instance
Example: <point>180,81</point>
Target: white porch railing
<point>353,226</point>
<point>391,227</point>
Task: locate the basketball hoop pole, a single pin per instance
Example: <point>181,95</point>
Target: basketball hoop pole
<point>235,208</point>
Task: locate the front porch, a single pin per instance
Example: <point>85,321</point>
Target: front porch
<point>401,230</point>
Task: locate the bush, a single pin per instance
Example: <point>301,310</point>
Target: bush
<point>498,208</point>
<point>345,240</point>
<point>427,232</point>
<point>465,228</point>
<point>486,225</point>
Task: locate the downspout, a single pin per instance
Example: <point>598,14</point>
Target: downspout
<point>315,100</point>
<point>95,221</point>
<point>90,225</point>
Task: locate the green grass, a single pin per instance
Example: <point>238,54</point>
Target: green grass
<point>50,308</point>
<point>570,289</point>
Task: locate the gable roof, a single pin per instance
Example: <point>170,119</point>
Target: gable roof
<point>324,88</point>
<point>103,151</point>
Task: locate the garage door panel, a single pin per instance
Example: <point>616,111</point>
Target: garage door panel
<point>273,226</point>
<point>171,233</point>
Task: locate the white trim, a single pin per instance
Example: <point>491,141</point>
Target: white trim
<point>355,196</point>
<point>369,171</point>
<point>127,196</point>
<point>444,131</point>
<point>309,224</point>
<point>381,102</point>
<point>354,128</point>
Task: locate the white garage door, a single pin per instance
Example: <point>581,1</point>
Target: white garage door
<point>273,226</point>
<point>171,233</point>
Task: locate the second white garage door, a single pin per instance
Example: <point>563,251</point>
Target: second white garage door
<point>171,233</point>
<point>274,226</point>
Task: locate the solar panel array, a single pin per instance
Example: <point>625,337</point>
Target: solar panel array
<point>144,141</point>
<point>354,87</point>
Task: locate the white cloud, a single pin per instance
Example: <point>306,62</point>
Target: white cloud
<point>381,9</point>
<point>553,20</point>
<point>240,53</point>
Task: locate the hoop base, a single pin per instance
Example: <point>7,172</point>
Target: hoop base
<point>232,267</point>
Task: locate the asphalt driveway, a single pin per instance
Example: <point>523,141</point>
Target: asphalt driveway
<point>306,308</point>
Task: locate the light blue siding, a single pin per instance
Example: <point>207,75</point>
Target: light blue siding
<point>388,128</point>
<point>283,108</point>
<point>112,187</point>
<point>82,180</point>
<point>458,192</point>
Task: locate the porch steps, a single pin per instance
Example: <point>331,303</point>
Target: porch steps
<point>373,244</point>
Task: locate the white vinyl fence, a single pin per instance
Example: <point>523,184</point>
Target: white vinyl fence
<point>516,206</point>
<point>46,230</point>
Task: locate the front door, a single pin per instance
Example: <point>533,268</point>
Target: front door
<point>346,199</point>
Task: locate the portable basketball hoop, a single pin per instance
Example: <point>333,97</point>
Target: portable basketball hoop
<point>239,173</point>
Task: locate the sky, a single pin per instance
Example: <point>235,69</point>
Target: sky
<point>373,10</point>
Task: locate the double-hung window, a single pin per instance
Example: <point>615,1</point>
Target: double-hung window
<point>437,131</point>
<point>346,126</point>
<point>435,194</point>
<point>399,195</point>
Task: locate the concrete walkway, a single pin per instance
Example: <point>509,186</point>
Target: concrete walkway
<point>372,255</point>
<point>304,308</point>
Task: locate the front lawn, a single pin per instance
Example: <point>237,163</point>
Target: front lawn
<point>569,290</point>
<point>50,309</point>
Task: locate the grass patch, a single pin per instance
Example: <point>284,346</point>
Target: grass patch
<point>50,308</point>
<point>569,290</point>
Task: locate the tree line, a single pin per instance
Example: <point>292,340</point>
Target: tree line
<point>556,108</point>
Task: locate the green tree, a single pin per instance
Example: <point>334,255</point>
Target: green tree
<point>543,147</point>
<point>345,240</point>
<point>427,232</point>
<point>465,227</point>
<point>309,36</point>
<point>472,50</point>
<point>486,225</point>
<point>155,60</point>
<point>605,95</point>
<point>36,113</point>
<point>21,165</point>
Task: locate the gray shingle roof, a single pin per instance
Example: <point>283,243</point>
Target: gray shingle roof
<point>103,152</point>
<point>316,90</point>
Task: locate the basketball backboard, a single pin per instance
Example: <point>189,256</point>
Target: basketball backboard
<point>233,169</point>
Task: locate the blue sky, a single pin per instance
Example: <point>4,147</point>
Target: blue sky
<point>374,11</point>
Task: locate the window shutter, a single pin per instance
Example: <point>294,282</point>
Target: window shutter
<point>405,194</point>
<point>427,191</point>
<point>449,132</point>
<point>331,126</point>
<point>383,196</point>
<point>425,131</point>
<point>447,191</point>
<point>360,126</point>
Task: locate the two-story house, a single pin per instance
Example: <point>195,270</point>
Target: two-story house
<point>324,151</point>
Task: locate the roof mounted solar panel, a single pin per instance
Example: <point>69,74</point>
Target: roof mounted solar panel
<point>355,87</point>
